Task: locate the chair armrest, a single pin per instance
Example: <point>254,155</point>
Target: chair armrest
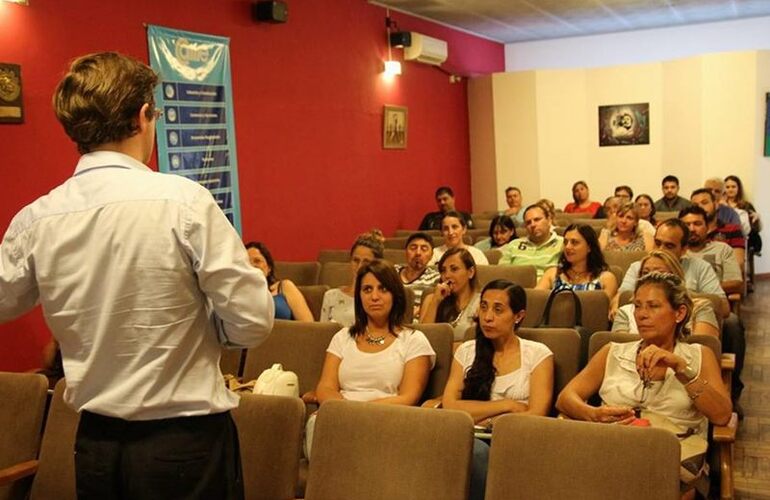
<point>432,403</point>
<point>726,433</point>
<point>18,471</point>
<point>727,362</point>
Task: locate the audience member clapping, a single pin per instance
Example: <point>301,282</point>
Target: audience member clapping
<point>338,303</point>
<point>456,298</point>
<point>581,265</point>
<point>289,301</point>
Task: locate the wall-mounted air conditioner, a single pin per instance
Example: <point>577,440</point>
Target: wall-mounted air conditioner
<point>425,49</point>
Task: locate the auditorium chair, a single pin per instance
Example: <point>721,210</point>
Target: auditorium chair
<point>594,305</point>
<point>336,274</point>
<point>396,242</point>
<point>301,273</point>
<point>441,338</point>
<point>53,473</point>
<point>537,457</point>
<point>325,256</point>
<point>493,255</point>
<point>314,296</point>
<point>231,361</point>
<point>524,276</point>
<point>23,400</point>
<point>622,259</point>
<point>395,255</point>
<point>661,216</point>
<point>722,437</point>
<point>382,452</point>
<point>270,432</point>
<point>407,232</point>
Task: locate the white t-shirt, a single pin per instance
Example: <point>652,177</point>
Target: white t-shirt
<point>514,385</point>
<point>478,256</point>
<point>365,376</point>
<point>339,307</point>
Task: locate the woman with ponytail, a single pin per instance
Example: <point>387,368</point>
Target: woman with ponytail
<point>499,372</point>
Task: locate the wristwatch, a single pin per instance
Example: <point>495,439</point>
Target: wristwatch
<point>688,374</point>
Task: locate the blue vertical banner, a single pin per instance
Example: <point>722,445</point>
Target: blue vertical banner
<point>196,137</point>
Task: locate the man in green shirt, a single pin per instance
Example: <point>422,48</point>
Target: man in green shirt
<point>541,248</point>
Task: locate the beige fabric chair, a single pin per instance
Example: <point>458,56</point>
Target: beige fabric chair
<point>524,276</point>
<point>270,434</point>
<point>395,255</point>
<point>23,398</point>
<point>314,296</point>
<point>723,436</point>
<point>594,305</point>
<point>622,259</point>
<point>661,216</point>
<point>385,452</point>
<point>493,256</point>
<point>55,476</point>
<point>536,457</point>
<point>441,338</point>
<point>231,362</point>
<point>299,346</point>
<point>325,256</point>
<point>336,274</point>
<point>301,273</point>
<point>397,243</point>
<point>565,345</point>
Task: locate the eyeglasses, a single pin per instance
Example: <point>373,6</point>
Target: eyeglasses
<point>157,113</point>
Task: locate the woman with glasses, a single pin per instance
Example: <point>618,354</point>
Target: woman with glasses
<point>659,378</point>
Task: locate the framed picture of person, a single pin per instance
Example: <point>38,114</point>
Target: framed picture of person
<point>394,127</point>
<point>624,124</point>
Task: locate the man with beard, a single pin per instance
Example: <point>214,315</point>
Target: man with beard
<point>671,201</point>
<point>417,274</point>
<point>718,230</point>
<point>725,212</point>
<point>722,259</point>
<point>445,201</point>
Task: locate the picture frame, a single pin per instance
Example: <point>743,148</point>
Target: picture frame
<point>624,124</point>
<point>11,103</point>
<point>395,125</point>
<point>767,124</point>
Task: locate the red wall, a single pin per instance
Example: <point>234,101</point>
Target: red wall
<point>308,110</point>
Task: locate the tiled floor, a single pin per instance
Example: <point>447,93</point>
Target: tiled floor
<point>752,447</point>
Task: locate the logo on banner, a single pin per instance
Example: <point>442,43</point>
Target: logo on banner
<point>190,52</point>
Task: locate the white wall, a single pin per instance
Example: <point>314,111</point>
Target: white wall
<point>639,46</point>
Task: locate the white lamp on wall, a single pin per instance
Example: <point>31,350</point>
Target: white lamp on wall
<point>20,2</point>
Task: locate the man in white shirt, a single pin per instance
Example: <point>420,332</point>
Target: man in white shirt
<point>141,278</point>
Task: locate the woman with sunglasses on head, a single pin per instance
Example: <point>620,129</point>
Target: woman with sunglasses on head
<point>338,303</point>
<point>679,384</point>
<point>456,298</point>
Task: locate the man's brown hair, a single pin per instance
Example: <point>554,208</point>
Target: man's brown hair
<point>98,99</point>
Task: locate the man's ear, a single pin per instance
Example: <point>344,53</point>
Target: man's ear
<point>142,120</point>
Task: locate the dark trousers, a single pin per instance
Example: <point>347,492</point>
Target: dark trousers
<point>734,341</point>
<point>185,457</point>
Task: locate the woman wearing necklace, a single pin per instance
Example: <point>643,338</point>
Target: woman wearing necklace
<point>660,374</point>
<point>626,235</point>
<point>378,359</point>
<point>455,300</point>
<point>581,265</point>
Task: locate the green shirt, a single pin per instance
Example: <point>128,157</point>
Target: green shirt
<point>523,252</point>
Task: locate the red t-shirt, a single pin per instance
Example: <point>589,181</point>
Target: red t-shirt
<point>573,208</point>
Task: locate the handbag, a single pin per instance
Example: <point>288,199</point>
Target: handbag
<point>585,334</point>
<point>275,381</point>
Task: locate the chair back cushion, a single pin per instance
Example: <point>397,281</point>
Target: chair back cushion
<point>336,274</point>
<point>441,337</point>
<point>524,276</point>
<point>270,434</point>
<point>314,296</point>
<point>538,457</point>
<point>301,273</point>
<point>372,451</point>
<point>565,345</point>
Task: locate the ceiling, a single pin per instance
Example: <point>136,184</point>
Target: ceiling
<point>510,21</point>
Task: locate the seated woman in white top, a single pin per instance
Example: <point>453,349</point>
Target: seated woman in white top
<point>378,359</point>
<point>499,372</point>
<point>453,228</point>
<point>703,320</point>
<point>455,299</point>
<point>338,302</point>
<point>656,378</point>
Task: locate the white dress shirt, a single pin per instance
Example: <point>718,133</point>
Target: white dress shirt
<point>135,270</point>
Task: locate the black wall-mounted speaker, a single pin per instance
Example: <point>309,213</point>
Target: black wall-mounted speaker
<point>271,11</point>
